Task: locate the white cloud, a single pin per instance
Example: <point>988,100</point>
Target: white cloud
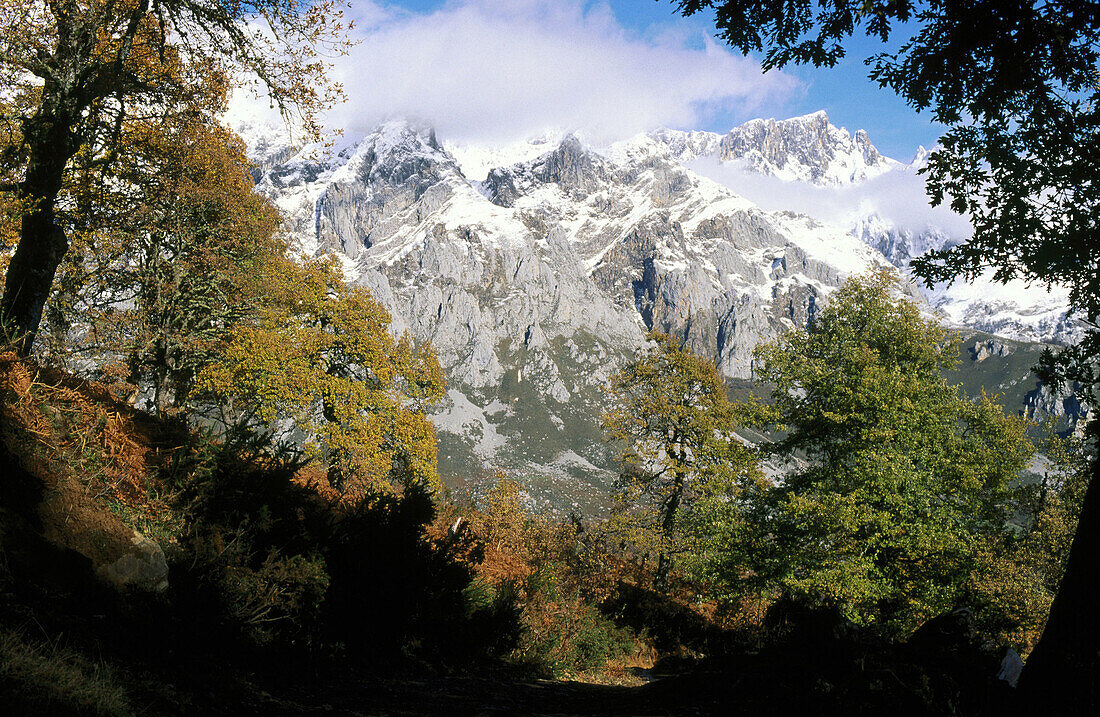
<point>898,197</point>
<point>487,70</point>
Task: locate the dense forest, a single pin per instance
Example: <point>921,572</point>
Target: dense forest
<point>220,490</point>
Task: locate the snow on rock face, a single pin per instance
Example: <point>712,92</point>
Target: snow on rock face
<point>807,149</point>
<point>842,170</point>
<point>1016,310</point>
<point>477,159</point>
<point>804,149</point>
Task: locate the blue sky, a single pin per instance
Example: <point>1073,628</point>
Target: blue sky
<point>844,92</point>
<point>501,69</point>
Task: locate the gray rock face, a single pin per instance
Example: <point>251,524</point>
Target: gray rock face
<point>537,283</point>
<point>981,350</point>
<point>1059,402</point>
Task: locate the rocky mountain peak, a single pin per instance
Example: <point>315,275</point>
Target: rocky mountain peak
<point>570,163</point>
<point>920,158</point>
<point>807,148</point>
<point>683,146</point>
<point>870,154</point>
<point>399,151</point>
<point>572,166</point>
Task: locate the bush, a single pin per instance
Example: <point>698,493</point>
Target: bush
<point>565,636</point>
<point>286,564</point>
<point>395,590</point>
<point>539,566</point>
<point>1019,572</point>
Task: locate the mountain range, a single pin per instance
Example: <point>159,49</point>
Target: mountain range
<point>535,268</point>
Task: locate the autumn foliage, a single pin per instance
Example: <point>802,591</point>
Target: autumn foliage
<point>321,356</point>
<point>554,576</point>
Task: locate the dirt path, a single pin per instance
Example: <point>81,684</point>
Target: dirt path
<point>468,696</point>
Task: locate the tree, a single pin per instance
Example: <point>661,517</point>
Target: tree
<point>321,359</point>
<point>1017,84</point>
<point>1019,570</point>
<point>76,71</point>
<point>168,255</point>
<point>676,425</point>
<point>894,475</point>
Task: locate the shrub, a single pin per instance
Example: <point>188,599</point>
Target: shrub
<point>1019,571</point>
<point>538,565</point>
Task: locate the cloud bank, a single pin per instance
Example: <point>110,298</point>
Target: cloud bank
<point>487,70</point>
<point>898,197</point>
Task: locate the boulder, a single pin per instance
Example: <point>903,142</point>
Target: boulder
<point>141,567</point>
<point>951,633</point>
<point>1011,667</point>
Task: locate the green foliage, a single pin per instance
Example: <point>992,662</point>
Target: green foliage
<point>281,590</point>
<point>575,637</point>
<point>539,566</point>
<point>676,427</point>
<point>248,558</point>
<point>1016,84</point>
<point>895,476</point>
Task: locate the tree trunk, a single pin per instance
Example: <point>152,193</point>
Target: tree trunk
<point>664,567</point>
<point>42,243</point>
<point>160,391</point>
<point>668,527</point>
<point>1062,675</point>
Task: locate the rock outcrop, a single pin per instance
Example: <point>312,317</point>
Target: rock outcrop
<point>140,567</point>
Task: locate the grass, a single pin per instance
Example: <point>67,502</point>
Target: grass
<point>49,678</point>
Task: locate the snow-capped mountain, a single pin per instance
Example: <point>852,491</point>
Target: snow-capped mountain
<point>802,149</point>
<point>807,165</point>
<point>535,278</point>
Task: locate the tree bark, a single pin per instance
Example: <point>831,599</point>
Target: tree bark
<point>1062,675</point>
<point>42,243</point>
<point>668,525</point>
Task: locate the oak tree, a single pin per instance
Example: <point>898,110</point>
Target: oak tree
<point>76,71</point>
<point>893,475</point>
<point>320,359</point>
<point>676,426</point>
<point>169,250</point>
